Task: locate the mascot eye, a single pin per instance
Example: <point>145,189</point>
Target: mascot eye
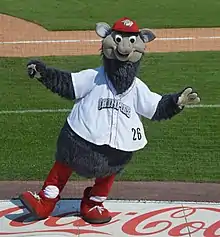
<point>132,39</point>
<point>118,38</point>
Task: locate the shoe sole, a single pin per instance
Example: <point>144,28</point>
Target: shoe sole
<point>92,221</point>
<point>29,208</point>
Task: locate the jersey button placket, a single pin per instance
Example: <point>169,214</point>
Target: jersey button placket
<point>114,127</point>
<point>114,124</point>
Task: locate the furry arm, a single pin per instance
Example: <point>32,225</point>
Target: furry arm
<point>167,107</point>
<point>57,81</point>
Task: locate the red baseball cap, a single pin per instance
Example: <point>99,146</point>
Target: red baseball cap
<point>126,25</point>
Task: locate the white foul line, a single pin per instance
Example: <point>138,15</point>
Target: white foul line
<point>203,106</point>
<point>98,40</point>
<point>24,111</point>
<point>48,41</point>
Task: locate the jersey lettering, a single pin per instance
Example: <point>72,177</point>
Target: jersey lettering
<point>105,103</point>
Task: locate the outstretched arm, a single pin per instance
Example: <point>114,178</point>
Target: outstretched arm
<point>172,104</point>
<point>57,81</point>
<point>156,107</point>
<point>167,107</point>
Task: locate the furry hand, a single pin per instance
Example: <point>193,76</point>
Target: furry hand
<point>36,69</point>
<point>188,97</point>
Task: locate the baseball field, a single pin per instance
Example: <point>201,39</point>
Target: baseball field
<point>81,15</point>
<point>185,148</point>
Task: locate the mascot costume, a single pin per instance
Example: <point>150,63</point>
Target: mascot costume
<point>104,127</point>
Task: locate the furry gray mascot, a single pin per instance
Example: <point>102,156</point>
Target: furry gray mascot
<point>104,127</point>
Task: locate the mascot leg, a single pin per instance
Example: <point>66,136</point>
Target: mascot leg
<point>92,209</point>
<point>42,204</point>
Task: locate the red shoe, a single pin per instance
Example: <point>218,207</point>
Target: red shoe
<point>93,212</point>
<point>37,204</point>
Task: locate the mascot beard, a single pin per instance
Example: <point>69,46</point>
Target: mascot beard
<point>98,138</point>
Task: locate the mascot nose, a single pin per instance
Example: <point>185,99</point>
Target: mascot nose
<point>124,47</point>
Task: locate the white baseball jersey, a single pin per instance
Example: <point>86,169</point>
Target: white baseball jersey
<point>100,116</point>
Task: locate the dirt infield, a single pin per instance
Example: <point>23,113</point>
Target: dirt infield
<point>19,38</point>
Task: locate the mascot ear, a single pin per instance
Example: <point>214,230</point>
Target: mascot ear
<point>147,35</point>
<point>102,29</point>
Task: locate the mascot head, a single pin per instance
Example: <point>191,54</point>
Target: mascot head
<point>123,46</point>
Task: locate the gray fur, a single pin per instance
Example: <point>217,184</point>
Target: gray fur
<point>167,107</point>
<point>59,82</point>
<point>87,159</point>
<point>121,74</point>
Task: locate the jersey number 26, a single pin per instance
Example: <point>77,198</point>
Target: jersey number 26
<point>136,134</point>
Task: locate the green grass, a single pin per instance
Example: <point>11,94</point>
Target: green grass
<point>185,148</point>
<point>75,15</point>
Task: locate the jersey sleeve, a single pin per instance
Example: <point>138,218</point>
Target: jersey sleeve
<point>83,82</point>
<point>146,101</point>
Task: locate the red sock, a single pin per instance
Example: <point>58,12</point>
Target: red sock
<point>58,176</point>
<point>102,186</point>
